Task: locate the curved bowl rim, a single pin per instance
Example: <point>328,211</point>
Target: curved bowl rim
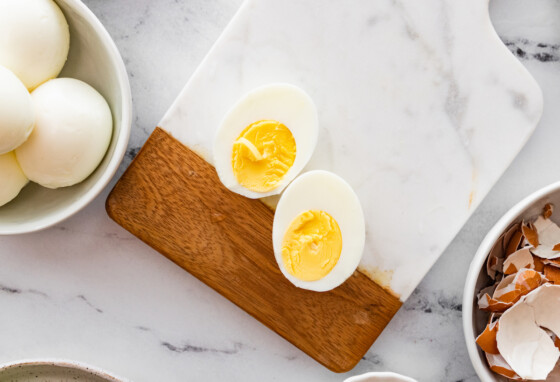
<point>380,374</point>
<point>75,365</point>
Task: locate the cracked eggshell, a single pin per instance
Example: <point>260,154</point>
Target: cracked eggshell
<point>487,339</point>
<point>35,39</point>
<point>545,302</point>
<point>509,237</point>
<point>548,237</point>
<point>504,246</point>
<point>495,259</point>
<point>551,262</point>
<point>17,117</point>
<point>499,365</point>
<point>526,347</point>
<point>284,103</point>
<point>11,178</point>
<point>514,242</point>
<point>72,133</point>
<point>503,295</point>
<point>517,260</point>
<point>548,209</point>
<point>512,287</point>
<point>552,273</point>
<point>325,191</point>
<point>487,303</point>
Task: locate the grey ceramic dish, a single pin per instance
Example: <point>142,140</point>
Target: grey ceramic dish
<point>53,371</point>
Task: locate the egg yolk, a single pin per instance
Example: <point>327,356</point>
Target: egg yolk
<point>312,245</point>
<point>262,155</point>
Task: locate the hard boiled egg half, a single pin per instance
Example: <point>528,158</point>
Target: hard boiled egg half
<point>318,232</point>
<point>265,140</point>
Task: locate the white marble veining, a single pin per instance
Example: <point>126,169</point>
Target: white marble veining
<point>88,290</point>
<point>421,108</point>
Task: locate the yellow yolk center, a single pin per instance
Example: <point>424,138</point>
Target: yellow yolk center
<point>262,155</point>
<point>312,245</point>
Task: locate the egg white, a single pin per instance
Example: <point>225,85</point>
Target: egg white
<point>34,41</point>
<point>17,117</point>
<point>72,133</point>
<point>325,191</point>
<point>12,179</point>
<point>284,103</point>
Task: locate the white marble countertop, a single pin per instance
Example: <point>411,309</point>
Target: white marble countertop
<point>88,290</point>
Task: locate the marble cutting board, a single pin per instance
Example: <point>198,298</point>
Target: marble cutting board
<point>421,109</point>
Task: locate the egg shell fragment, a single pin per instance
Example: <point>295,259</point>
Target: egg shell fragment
<point>284,103</point>
<point>548,237</point>
<point>514,242</point>
<point>548,209</point>
<point>545,302</point>
<point>324,191</point>
<point>71,135</point>
<point>487,339</point>
<point>513,287</point>
<point>34,39</point>
<point>551,262</point>
<point>524,345</point>
<point>539,264</point>
<point>17,116</point>
<point>552,273</point>
<point>487,303</point>
<point>506,244</point>
<point>499,365</point>
<point>509,236</point>
<point>518,260</point>
<point>530,234</point>
<point>495,258</point>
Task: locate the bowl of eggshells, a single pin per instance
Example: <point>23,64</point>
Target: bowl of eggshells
<point>65,111</point>
<point>511,302</point>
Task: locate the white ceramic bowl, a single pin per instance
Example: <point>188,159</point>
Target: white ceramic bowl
<point>474,320</point>
<point>53,371</point>
<point>93,58</point>
<point>380,377</point>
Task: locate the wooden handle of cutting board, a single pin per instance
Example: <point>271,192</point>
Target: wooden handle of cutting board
<point>172,199</point>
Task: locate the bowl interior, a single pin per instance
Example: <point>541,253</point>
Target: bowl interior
<point>475,320</point>
<point>52,372</point>
<point>94,60</point>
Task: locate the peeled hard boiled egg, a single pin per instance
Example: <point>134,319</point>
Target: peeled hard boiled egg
<point>16,111</point>
<point>72,133</point>
<point>318,232</point>
<point>34,39</point>
<point>12,178</point>
<point>265,140</point>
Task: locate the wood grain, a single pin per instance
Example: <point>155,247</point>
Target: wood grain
<point>172,199</point>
